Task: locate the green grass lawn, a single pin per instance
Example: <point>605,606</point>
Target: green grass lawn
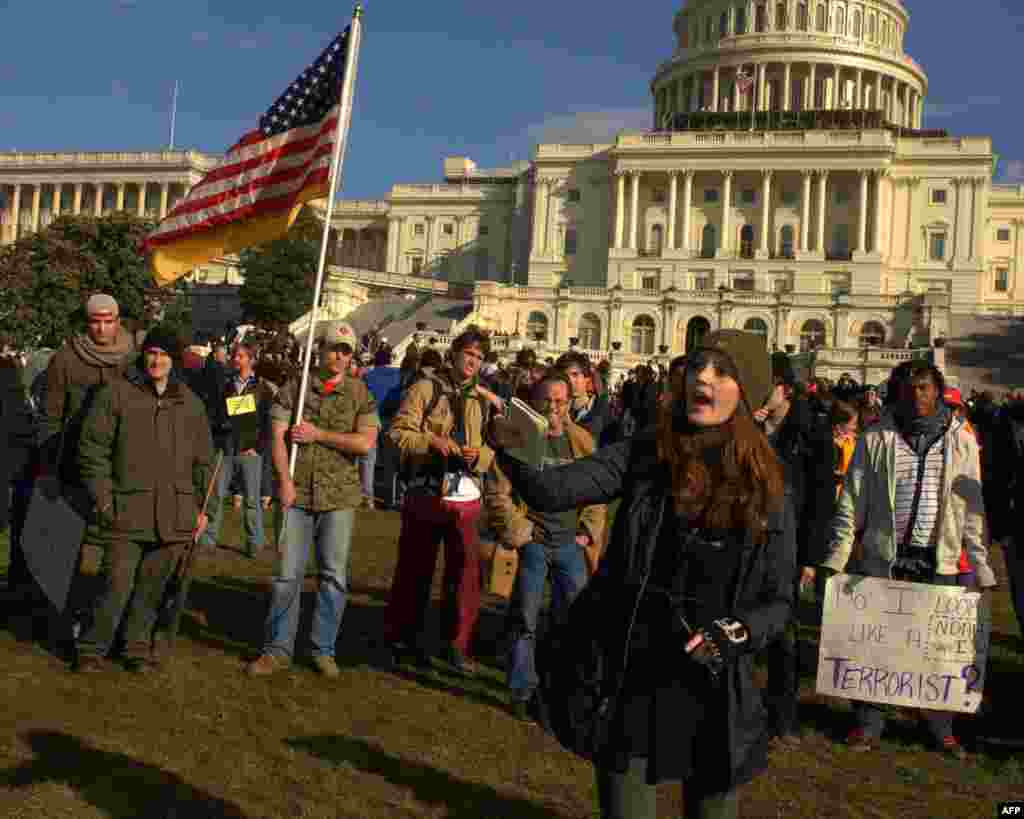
<point>202,740</point>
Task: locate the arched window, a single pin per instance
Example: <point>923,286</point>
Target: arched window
<point>708,242</point>
<point>841,21</point>
<point>741,20</point>
<point>759,326</point>
<point>802,19</point>
<point>655,246</point>
<point>857,24</point>
<point>536,324</point>
<point>871,27</point>
<point>780,17</point>
<point>872,334</point>
<point>761,17</point>
<point>642,336</point>
<point>590,332</point>
<point>747,241</point>
<point>821,19</point>
<point>723,25</point>
<point>812,335</point>
<point>696,329</point>
<point>786,241</point>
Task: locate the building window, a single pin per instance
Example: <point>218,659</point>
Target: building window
<point>841,21</point>
<point>483,230</point>
<point>937,247</point>
<point>710,195</point>
<point>656,241</point>
<point>417,265</point>
<point>649,283</point>
<point>812,335</point>
<point>790,198</point>
<point>1002,282</point>
<point>939,196</point>
<point>642,336</point>
<point>418,230</point>
<point>786,234</point>
<point>871,27</point>
<point>780,16</point>
<point>537,324</point>
<point>857,27</point>
<point>761,17</point>
<point>743,283</point>
<point>741,20</point>
<point>758,326</point>
<point>590,332</point>
<point>802,18</point>
<point>708,242</point>
<point>1003,235</point>
<point>841,196</point>
<point>573,195</point>
<point>658,196</point>
<point>821,20</point>
<point>747,241</point>
<point>781,286</point>
<point>872,334</point>
<point>702,283</point>
<point>448,229</point>
<point>570,242</point>
<point>748,196</point>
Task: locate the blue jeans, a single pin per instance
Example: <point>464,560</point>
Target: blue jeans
<point>367,466</point>
<point>250,469</point>
<point>331,535</point>
<point>568,572</point>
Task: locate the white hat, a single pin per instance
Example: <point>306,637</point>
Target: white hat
<point>331,333</point>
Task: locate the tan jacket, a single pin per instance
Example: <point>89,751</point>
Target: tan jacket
<point>514,523</point>
<point>410,431</point>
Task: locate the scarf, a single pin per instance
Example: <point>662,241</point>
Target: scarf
<point>921,433</point>
<point>96,356</point>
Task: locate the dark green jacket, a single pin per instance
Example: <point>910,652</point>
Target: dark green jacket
<point>146,458</point>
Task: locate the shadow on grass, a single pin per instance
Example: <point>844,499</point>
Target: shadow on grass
<point>433,787</point>
<point>121,787</point>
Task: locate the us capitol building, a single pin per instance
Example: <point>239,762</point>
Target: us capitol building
<point>786,187</point>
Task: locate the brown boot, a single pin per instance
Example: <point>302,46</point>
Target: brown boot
<point>267,664</point>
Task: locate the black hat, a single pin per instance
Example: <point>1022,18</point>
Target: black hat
<point>164,338</point>
<point>750,356</point>
<point>782,370</point>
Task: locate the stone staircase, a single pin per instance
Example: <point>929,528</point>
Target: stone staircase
<point>986,352</point>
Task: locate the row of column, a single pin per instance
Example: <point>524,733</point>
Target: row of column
<point>396,226</point>
<point>901,103</point>
<point>36,193</point>
<point>809,177</point>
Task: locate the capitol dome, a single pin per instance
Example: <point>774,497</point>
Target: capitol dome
<point>799,55</point>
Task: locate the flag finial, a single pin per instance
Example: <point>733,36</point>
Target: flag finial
<point>358,11</point>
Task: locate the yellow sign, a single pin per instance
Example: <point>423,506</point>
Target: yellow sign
<point>242,405</point>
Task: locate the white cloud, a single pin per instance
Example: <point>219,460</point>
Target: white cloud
<point>940,110</point>
<point>1013,171</point>
<point>200,37</point>
<point>589,126</point>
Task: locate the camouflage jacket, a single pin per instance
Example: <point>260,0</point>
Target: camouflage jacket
<point>327,479</point>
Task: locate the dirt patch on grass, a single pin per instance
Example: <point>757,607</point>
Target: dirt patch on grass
<point>202,740</point>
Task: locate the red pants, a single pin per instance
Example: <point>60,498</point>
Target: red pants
<point>426,521</point>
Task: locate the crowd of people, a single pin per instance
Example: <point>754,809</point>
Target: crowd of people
<point>738,488</point>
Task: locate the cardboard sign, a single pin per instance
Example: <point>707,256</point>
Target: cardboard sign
<point>908,644</point>
<point>242,405</point>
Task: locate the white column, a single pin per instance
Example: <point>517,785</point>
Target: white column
<point>766,197</point>
<point>735,90</point>
<point>859,103</point>
<point>837,92</point>
<point>120,196</point>
<point>907,94</point>
<point>912,183</point>
<point>15,211</point>
<point>762,73</point>
<point>165,192</point>
<point>55,202</point>
<point>620,208</point>
<point>877,239</point>
<point>862,214</point>
<point>634,207</point>
<point>538,217</point>
<point>428,248</point>
<point>787,83</point>
<point>725,243</point>
<point>687,200</point>
<point>812,82</point>
<point>76,204</point>
<point>805,214</point>
<point>822,208</point>
<point>550,212</point>
<point>98,198</point>
<point>673,186</point>
<point>715,80</point>
<point>37,192</point>
<point>140,205</point>
<point>391,265</point>
<point>979,189</point>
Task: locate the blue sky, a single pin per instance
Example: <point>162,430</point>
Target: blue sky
<point>482,79</point>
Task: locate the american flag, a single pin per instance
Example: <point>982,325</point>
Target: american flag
<point>285,161</point>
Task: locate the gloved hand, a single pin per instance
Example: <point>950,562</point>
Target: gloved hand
<point>719,643</point>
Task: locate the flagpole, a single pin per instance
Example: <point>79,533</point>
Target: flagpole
<point>341,141</point>
<point>174,111</point>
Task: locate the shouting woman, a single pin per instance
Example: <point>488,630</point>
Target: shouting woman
<point>651,676</point>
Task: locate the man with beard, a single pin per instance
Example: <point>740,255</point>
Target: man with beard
<point>145,455</point>
<point>564,547</point>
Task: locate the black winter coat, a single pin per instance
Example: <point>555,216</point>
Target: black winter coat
<point>1004,487</point>
<point>589,667</point>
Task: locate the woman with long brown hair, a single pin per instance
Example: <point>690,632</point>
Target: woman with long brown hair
<point>651,675</point>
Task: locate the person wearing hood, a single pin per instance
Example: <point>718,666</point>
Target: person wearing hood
<point>145,455</point>
<point>805,448</point>
<point>651,674</point>
<point>913,495</point>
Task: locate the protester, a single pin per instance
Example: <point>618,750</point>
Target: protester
<point>318,503</point>
<point>589,408</point>
<point>805,449</point>
<point>439,430</point>
<point>1005,496</point>
<point>845,429</point>
<point>914,490</point>
<point>385,383</point>
<point>653,670</point>
<point>563,547</point>
<point>244,441</point>
<point>145,455</point>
